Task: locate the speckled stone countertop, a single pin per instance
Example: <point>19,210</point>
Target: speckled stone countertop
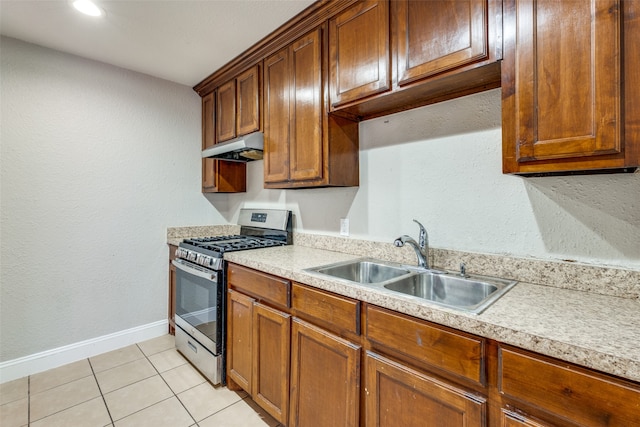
<point>175,235</point>
<point>590,329</point>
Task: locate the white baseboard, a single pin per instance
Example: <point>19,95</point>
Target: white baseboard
<point>39,362</point>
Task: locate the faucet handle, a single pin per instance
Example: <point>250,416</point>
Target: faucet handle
<point>423,234</point>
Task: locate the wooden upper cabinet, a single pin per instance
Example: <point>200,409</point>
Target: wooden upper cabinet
<point>248,98</point>
<point>277,86</point>
<point>226,120</point>
<point>208,139</point>
<point>306,148</point>
<point>303,146</point>
<point>562,82</point>
<point>238,110</point>
<point>218,176</point>
<point>293,112</point>
<point>391,56</point>
<point>359,58</point>
<point>438,36</point>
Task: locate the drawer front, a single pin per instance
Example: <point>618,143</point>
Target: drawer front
<point>584,397</point>
<point>261,286</point>
<point>399,396</point>
<point>332,312</point>
<point>457,353</point>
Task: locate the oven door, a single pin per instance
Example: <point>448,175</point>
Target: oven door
<point>199,303</point>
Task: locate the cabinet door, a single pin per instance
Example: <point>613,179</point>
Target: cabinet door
<point>565,83</point>
<point>240,339</point>
<point>325,378</point>
<point>397,396</point>
<point>226,114</point>
<point>248,98</point>
<point>277,86</point>
<point>359,52</point>
<point>208,139</point>
<point>306,154</point>
<point>271,344</point>
<point>438,36</point>
<point>217,175</point>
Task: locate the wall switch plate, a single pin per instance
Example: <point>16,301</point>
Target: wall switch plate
<point>344,226</point>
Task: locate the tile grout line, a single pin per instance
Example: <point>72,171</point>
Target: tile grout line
<point>165,381</point>
<point>101,394</point>
<point>190,388</point>
<point>29,394</point>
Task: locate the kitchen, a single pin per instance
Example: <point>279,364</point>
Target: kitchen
<point>97,169</point>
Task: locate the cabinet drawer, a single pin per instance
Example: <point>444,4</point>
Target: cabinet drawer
<point>261,286</point>
<point>585,397</point>
<point>411,339</point>
<point>332,312</point>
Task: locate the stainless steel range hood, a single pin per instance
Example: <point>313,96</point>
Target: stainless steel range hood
<point>243,149</point>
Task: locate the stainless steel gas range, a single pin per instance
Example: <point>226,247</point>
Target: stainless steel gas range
<point>201,285</point>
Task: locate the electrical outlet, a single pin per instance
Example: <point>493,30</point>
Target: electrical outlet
<point>344,226</point>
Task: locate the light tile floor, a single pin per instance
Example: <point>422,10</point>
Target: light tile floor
<point>147,384</point>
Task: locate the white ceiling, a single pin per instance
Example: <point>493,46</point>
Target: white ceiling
<point>179,40</point>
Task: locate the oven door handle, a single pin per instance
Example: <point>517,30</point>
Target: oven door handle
<point>203,273</point>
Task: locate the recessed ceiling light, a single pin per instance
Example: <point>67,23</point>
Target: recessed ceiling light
<point>87,7</point>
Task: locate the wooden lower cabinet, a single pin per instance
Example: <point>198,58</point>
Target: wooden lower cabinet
<point>325,378</point>
<point>271,343</point>
<point>564,394</point>
<point>240,339</point>
<point>398,396</point>
<point>172,291</point>
<point>258,341</point>
<point>299,352</point>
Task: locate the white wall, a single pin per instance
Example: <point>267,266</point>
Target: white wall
<point>441,165</point>
<point>96,163</point>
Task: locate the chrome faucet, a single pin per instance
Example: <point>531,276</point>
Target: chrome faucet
<point>421,247</point>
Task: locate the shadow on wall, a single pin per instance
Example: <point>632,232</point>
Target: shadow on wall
<point>468,114</point>
<point>320,207</point>
<point>588,215</point>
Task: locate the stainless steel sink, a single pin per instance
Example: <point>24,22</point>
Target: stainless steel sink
<point>362,271</point>
<point>472,294</point>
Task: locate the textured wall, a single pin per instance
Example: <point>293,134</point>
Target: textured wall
<point>97,161</point>
<point>441,164</point>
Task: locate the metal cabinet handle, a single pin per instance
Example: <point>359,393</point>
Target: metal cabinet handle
<point>205,274</point>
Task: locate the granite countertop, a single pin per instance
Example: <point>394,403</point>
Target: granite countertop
<point>597,331</point>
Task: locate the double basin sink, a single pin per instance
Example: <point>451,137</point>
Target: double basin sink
<point>469,293</point>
